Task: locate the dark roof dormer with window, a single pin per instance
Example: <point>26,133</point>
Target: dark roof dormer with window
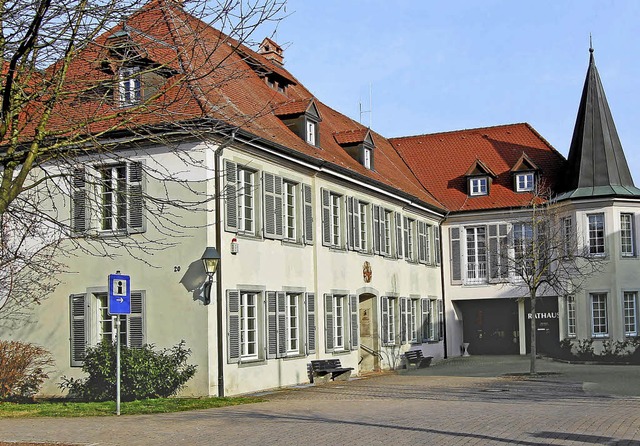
<point>359,145</point>
<point>479,178</point>
<point>267,63</point>
<point>302,118</point>
<point>135,76</point>
<point>525,174</point>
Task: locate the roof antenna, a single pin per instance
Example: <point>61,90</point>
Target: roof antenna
<point>370,111</point>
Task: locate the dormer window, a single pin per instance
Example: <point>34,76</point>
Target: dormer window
<point>524,173</point>
<point>367,158</point>
<point>478,186</point>
<point>311,132</point>
<point>525,182</point>
<point>303,118</point>
<point>129,86</point>
<point>479,178</point>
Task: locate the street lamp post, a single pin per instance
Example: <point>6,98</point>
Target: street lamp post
<point>210,259</point>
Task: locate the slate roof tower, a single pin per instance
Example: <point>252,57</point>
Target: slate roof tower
<point>597,166</point>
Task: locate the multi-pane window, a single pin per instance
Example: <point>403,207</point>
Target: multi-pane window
<point>476,254</point>
<point>524,182</point>
<point>478,186</point>
<point>338,322</point>
<point>571,316</point>
<point>364,226</point>
<point>567,237</point>
<point>311,133</point>
<point>341,322</point>
<point>627,246</point>
<point>409,231</point>
<point>599,325</point>
<point>386,229</point>
<point>335,219</point>
<point>107,330</point>
<point>249,325</point>
<point>293,323</point>
<point>522,246</point>
<point>246,201</point>
<point>114,197</point>
<point>412,326</point>
<point>290,212</point>
<point>367,158</point>
<point>129,87</point>
<point>630,309</point>
<point>596,234</point>
<point>424,242</point>
<point>388,320</point>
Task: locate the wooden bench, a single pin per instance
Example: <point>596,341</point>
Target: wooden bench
<point>415,357</point>
<point>325,370</point>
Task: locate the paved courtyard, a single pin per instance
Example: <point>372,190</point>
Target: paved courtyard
<point>482,401</point>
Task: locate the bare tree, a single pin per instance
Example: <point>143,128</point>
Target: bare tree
<point>70,99</point>
<point>546,258</point>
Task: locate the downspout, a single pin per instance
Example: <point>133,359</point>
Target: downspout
<point>218,225</point>
<point>444,307</point>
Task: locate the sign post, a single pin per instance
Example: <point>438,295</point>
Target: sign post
<point>119,303</point>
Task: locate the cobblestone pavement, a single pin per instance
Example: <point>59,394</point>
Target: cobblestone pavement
<point>408,408</point>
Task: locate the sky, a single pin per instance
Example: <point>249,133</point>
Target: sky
<point>434,66</point>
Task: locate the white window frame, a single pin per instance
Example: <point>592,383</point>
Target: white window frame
<point>250,326</point>
<point>478,186</point>
<point>627,239</point>
<point>247,201</point>
<point>311,132</point>
<point>291,204</point>
<point>567,236</point>
<point>114,193</point>
<point>413,322</point>
<point>599,316</point>
<point>129,86</point>
<point>364,229</point>
<point>409,237</point>
<point>386,229</point>
<point>525,182</point>
<point>476,270</point>
<point>597,234</point>
<point>339,323</point>
<point>294,312</point>
<point>107,323</point>
<point>570,307</point>
<point>367,158</point>
<point>335,224</point>
<point>630,313</point>
<point>522,241</point>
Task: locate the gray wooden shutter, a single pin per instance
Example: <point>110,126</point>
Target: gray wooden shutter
<point>79,202</point>
<point>403,320</point>
<point>350,224</point>
<point>494,253</point>
<point>326,218</point>
<point>406,223</point>
<point>353,310</point>
<point>308,214</point>
<point>328,322</point>
<point>282,324</point>
<point>272,325</point>
<point>233,325</point>
<point>436,236</point>
<point>311,322</point>
<point>456,261</point>
<point>375,210</point>
<point>424,310</point>
<point>440,319</point>
<point>78,316</point>
<point>382,217</point>
<point>136,320</point>
<point>231,196</point>
<point>399,243</point>
<point>136,201</point>
<point>384,318</point>
<point>272,194</point>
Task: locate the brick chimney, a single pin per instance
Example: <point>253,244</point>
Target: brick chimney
<point>271,51</point>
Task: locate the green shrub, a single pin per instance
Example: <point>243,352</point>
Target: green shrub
<point>584,350</point>
<point>23,369</point>
<point>145,373</point>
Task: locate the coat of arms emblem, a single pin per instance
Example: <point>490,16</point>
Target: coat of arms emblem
<point>366,272</point>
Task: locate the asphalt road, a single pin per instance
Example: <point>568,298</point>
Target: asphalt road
<point>481,401</point>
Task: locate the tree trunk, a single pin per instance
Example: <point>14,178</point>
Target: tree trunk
<point>532,368</point>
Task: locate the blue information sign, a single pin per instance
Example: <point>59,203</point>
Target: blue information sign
<point>119,294</point>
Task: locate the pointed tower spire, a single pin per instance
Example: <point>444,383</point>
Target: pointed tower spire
<point>597,165</point>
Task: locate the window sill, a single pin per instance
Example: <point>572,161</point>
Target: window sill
<point>341,352</point>
<point>251,362</point>
<point>293,243</point>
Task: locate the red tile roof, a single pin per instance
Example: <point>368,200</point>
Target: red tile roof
<point>441,160</point>
<point>215,79</point>
<point>351,136</point>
